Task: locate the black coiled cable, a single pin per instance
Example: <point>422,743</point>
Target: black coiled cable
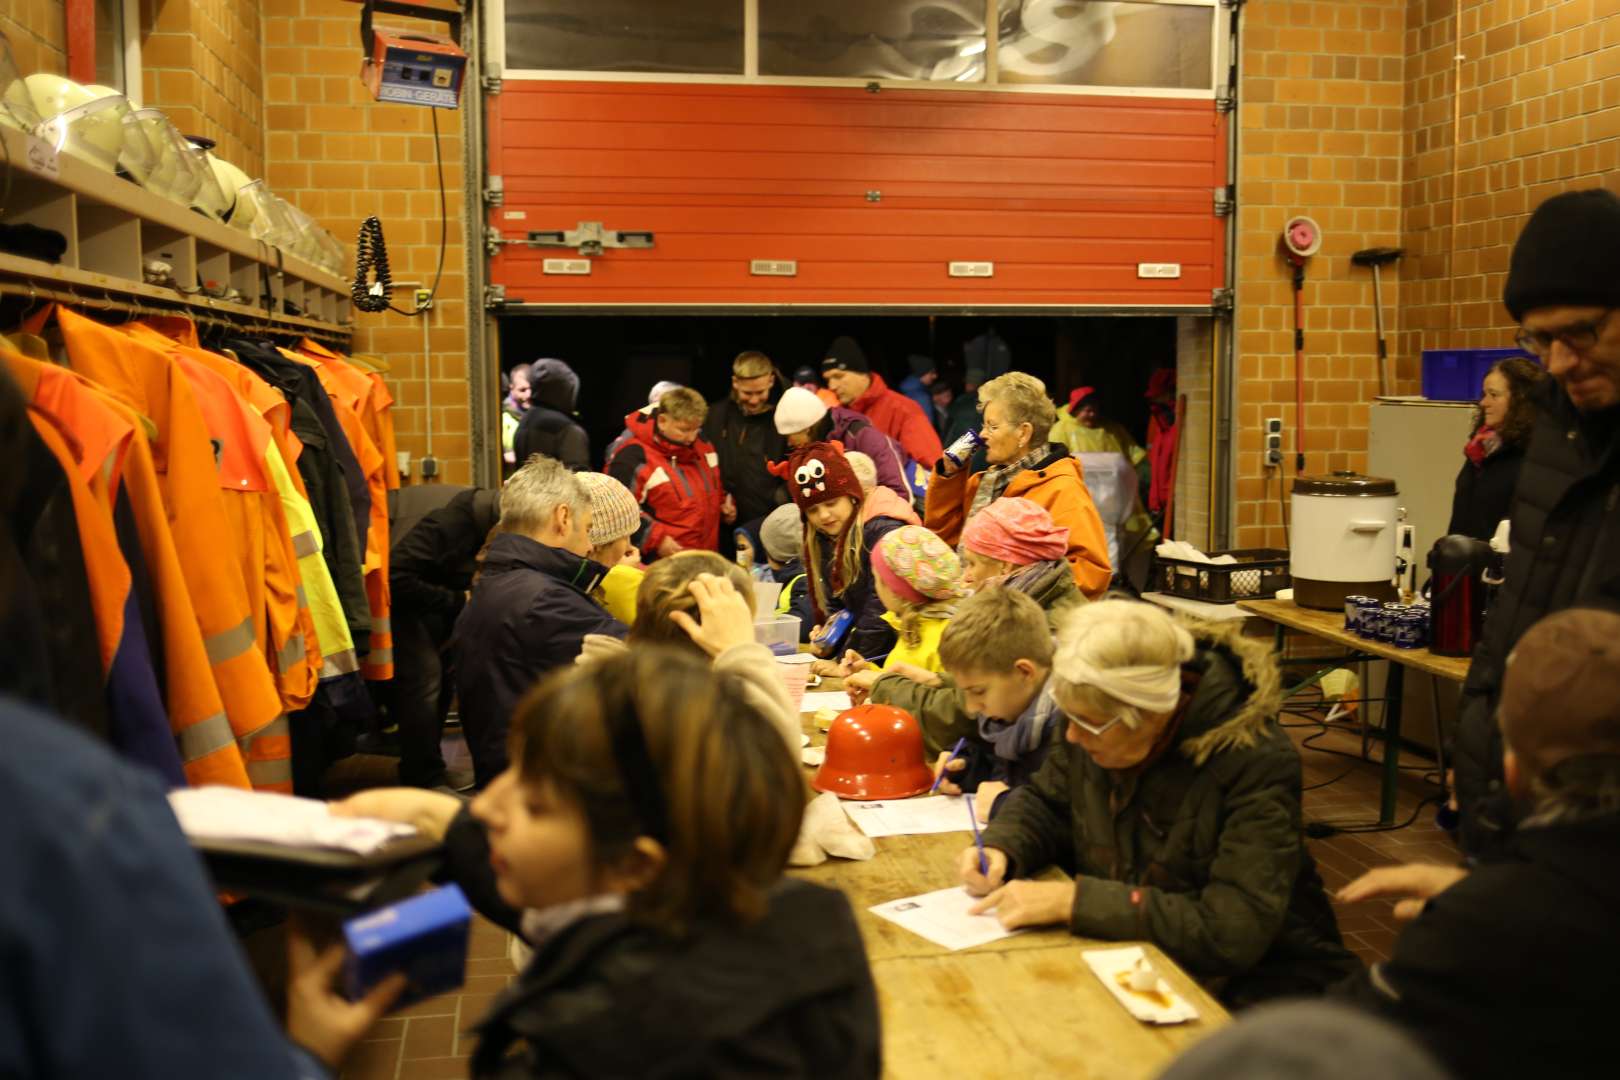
<point>371,256</point>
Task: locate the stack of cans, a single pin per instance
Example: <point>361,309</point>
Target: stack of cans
<point>1405,626</point>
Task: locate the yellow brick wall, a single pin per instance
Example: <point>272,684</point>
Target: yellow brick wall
<point>201,62</point>
<point>342,157</point>
<point>1540,103</point>
<point>1320,114</point>
<point>38,34</point>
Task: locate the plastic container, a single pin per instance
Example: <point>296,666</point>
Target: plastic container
<point>1257,575</point>
<point>1459,374</point>
<point>779,632</point>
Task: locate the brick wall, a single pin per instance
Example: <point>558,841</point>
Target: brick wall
<point>201,62</point>
<point>38,34</point>
<point>1540,98</point>
<point>341,157</point>
<point>1320,113</point>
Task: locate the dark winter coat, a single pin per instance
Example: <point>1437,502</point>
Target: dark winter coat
<point>529,613</point>
<point>678,487</point>
<point>1200,851</point>
<point>790,995</point>
<point>1485,493</point>
<point>744,445</point>
<point>870,636</point>
<point>101,883</point>
<point>1510,972</point>
<point>1565,552</point>
<point>430,567</point>
<point>549,427</point>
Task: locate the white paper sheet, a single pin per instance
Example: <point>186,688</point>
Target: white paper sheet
<point>825,699</point>
<point>226,813</point>
<point>1108,964</point>
<point>911,817</point>
<point>942,917</point>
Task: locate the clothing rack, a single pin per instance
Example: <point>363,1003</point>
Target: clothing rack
<point>204,311</point>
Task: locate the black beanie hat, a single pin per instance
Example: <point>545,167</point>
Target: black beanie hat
<point>1568,253</point>
<point>920,365</point>
<point>844,354</point>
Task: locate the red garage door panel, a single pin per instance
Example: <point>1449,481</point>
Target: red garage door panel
<point>873,195</point>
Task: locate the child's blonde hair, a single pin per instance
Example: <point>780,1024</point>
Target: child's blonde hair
<point>994,629</point>
<point>864,468</point>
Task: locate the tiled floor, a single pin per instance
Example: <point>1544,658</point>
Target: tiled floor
<point>430,1040</point>
<point>1368,929</point>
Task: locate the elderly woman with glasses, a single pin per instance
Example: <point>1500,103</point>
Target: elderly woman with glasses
<point>1024,463</point>
<point>1172,807</point>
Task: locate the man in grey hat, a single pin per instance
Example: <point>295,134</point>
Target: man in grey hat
<point>1563,288</point>
<point>1509,970</point>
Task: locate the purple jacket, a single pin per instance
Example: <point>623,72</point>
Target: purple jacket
<point>856,432</point>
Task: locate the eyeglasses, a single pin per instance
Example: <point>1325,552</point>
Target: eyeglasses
<point>1093,730</point>
<point>1577,338</point>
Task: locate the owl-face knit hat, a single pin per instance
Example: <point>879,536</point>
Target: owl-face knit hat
<point>918,566</point>
<point>818,472</point>
<point>615,513</point>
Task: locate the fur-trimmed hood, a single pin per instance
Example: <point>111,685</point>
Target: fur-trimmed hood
<point>1239,690</point>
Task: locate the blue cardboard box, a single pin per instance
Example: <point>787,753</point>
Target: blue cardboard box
<point>425,937</point>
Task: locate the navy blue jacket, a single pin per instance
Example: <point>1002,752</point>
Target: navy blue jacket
<point>529,614</point>
<point>870,636</point>
<point>118,958</point>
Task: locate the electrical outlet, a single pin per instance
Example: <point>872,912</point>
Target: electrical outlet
<point>1274,442</point>
<point>430,467</point>
<point>424,299</point>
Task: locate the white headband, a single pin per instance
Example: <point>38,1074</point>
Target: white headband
<point>1156,689</point>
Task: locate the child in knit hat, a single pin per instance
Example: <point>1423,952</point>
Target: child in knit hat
<point>615,521</point>
<point>837,544</point>
<point>781,534</point>
<point>918,577</point>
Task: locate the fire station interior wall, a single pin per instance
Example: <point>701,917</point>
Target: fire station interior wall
<point>1345,113</point>
<point>872,194</point>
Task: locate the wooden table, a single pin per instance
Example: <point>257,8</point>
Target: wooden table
<point>1329,626</point>
<point>1025,1005</point>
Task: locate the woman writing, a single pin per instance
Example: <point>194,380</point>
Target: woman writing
<point>1174,804</point>
<point>1495,450</point>
<point>1018,419</point>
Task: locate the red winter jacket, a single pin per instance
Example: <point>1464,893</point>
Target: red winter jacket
<point>900,418</point>
<point>677,486</point>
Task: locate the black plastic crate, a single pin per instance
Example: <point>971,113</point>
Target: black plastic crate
<point>1257,575</point>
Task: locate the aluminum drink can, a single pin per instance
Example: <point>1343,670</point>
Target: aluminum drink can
<point>1386,629</point>
<point>1352,613</point>
<point>960,452</point>
<point>1368,612</point>
<point>1408,631</point>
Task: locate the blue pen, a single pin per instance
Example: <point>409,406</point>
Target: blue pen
<point>978,837</point>
<point>957,749</point>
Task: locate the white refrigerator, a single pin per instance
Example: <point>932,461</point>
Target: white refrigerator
<point>1419,444</point>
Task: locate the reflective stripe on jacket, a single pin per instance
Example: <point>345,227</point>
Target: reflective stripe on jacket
<point>146,380</point>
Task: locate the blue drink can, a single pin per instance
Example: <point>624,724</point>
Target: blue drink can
<point>1392,615</point>
<point>1352,613</point>
<point>1408,631</point>
<point>1368,614</point>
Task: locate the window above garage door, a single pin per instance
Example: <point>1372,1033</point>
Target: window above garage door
<point>1167,47</point>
